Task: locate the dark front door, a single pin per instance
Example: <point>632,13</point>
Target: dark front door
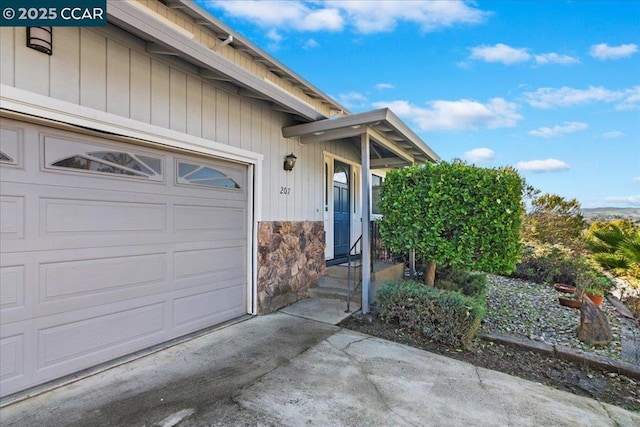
<point>341,210</point>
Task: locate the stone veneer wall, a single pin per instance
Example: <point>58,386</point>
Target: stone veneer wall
<point>290,260</point>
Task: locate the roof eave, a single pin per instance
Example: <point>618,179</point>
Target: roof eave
<point>136,21</point>
<point>193,9</point>
<point>359,123</point>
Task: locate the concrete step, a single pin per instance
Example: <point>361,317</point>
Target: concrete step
<point>336,282</point>
<point>333,293</point>
<point>342,271</point>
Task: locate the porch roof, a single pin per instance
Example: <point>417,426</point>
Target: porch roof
<point>394,143</point>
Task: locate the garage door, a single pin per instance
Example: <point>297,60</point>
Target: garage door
<point>109,248</point>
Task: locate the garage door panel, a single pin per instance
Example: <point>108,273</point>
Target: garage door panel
<point>12,287</point>
<point>12,217</point>
<point>194,263</point>
<point>208,218</point>
<point>11,144</point>
<point>99,217</point>
<point>196,310</point>
<point>217,279</point>
<point>11,353</point>
<point>98,336</point>
<point>90,277</point>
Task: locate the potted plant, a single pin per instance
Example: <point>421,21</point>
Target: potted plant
<point>595,294</point>
<point>593,284</point>
<point>570,301</point>
<point>598,287</point>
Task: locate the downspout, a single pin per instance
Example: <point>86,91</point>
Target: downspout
<point>366,220</point>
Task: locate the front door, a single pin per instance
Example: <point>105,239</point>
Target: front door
<point>341,210</point>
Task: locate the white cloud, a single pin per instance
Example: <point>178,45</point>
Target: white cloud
<point>568,127</point>
<point>631,99</point>
<point>612,134</point>
<point>635,179</point>
<point>555,58</point>
<point>603,51</point>
<point>295,15</point>
<point>353,99</point>
<point>547,97</point>
<point>508,55</point>
<point>364,16</point>
<point>479,155</point>
<point>456,115</point>
<point>548,165</point>
<point>310,44</point>
<point>628,200</point>
<point>274,36</point>
<point>382,16</point>
<point>500,53</point>
<point>382,86</point>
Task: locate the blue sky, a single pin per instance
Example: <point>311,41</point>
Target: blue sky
<point>550,87</point>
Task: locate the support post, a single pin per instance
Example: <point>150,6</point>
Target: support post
<point>412,263</point>
<point>366,220</point>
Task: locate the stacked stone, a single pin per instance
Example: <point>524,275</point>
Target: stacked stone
<point>290,260</point>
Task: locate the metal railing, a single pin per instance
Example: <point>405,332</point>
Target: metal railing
<point>353,255</point>
<point>379,254</point>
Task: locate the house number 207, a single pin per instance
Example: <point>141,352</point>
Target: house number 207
<point>285,190</point>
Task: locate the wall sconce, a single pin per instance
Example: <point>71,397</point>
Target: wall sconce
<point>40,39</point>
<point>289,162</point>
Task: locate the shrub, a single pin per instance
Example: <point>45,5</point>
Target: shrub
<point>469,284</point>
<point>454,214</point>
<point>445,316</point>
<point>549,265</point>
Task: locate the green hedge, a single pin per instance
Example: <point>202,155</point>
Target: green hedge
<point>469,284</point>
<point>444,316</point>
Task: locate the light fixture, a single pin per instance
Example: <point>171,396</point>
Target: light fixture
<point>40,39</point>
<point>289,162</point>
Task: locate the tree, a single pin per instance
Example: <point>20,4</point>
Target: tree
<point>615,245</point>
<point>555,220</point>
<point>454,214</point>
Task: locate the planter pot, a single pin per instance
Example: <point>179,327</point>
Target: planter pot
<point>567,289</point>
<point>571,303</point>
<point>596,299</point>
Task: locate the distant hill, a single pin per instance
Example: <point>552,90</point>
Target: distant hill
<point>592,214</point>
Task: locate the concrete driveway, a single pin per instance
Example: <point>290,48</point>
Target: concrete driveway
<point>282,369</point>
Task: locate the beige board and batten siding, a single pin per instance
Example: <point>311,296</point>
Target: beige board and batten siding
<point>109,70</point>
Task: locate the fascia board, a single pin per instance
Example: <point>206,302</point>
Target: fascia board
<point>404,130</point>
<point>362,119</point>
<point>137,21</point>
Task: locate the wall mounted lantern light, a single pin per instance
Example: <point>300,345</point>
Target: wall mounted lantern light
<point>41,39</point>
<point>289,162</point>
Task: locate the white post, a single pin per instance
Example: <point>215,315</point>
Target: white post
<point>366,221</point>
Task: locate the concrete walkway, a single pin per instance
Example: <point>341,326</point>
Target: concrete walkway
<point>282,369</point>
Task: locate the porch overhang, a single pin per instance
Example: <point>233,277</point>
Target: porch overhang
<point>395,144</point>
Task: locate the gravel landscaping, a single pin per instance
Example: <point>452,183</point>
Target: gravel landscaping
<point>531,310</point>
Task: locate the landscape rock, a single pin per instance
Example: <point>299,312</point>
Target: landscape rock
<point>594,327</point>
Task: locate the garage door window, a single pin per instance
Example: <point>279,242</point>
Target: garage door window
<point>5,158</point>
<point>114,162</point>
<point>189,173</point>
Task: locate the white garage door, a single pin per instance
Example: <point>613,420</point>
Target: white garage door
<point>109,248</point>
